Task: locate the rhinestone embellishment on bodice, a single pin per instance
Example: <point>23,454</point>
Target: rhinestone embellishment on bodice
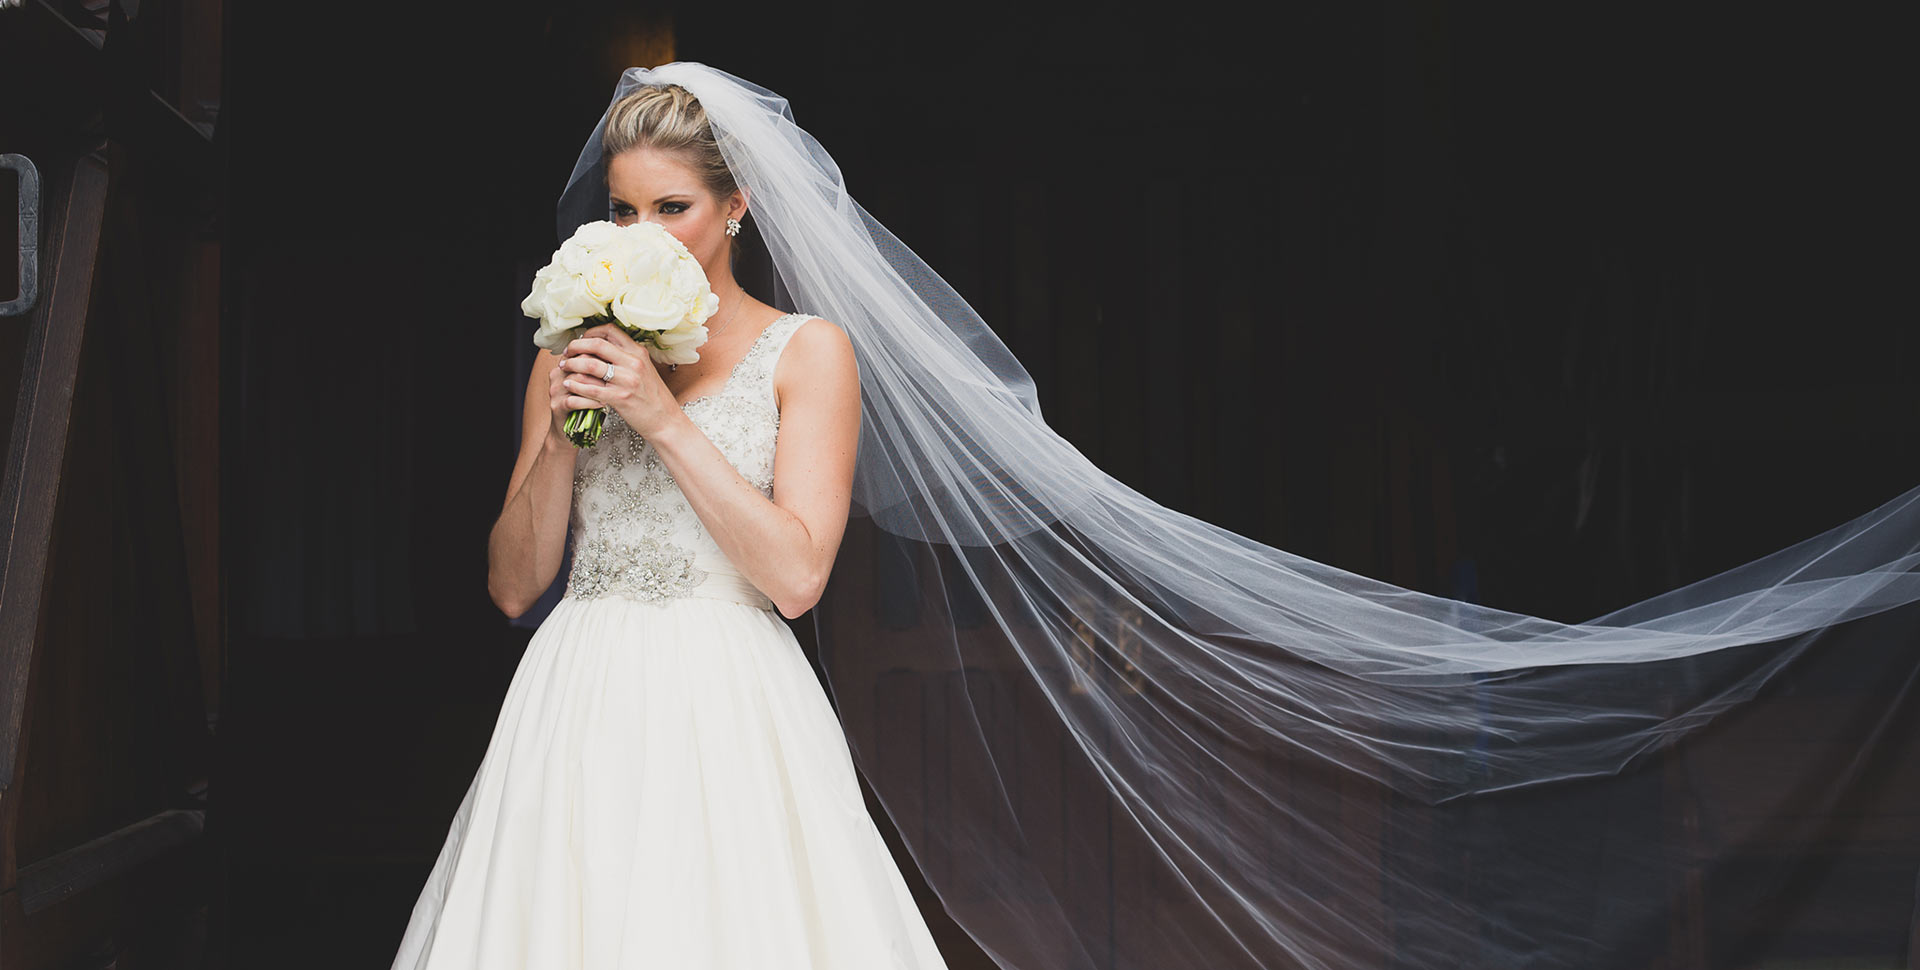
<point>634,533</point>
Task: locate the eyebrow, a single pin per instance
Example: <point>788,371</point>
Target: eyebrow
<point>670,195</point>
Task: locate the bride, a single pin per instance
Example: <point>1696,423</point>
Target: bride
<point>666,770</point>
<point>1110,734</point>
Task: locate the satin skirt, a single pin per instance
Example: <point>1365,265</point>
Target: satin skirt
<point>667,786</point>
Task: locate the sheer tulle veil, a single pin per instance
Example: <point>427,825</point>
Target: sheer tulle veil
<point>1112,734</point>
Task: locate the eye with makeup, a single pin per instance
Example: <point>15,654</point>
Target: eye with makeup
<point>621,210</point>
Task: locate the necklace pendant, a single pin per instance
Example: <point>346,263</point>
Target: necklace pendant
<point>673,367</point>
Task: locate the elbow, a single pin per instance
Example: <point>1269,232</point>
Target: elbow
<point>511,605</point>
<point>803,597</point>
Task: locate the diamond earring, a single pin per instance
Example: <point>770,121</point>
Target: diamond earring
<point>733,226</point>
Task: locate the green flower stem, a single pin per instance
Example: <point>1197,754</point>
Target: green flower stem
<point>583,426</point>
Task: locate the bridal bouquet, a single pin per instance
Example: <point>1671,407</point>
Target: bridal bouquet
<point>637,276</point>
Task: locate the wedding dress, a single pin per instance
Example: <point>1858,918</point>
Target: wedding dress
<point>667,784</point>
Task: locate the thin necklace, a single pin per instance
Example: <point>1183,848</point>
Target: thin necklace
<point>737,304</point>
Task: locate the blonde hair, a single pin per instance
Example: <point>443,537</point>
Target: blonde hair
<point>667,117</point>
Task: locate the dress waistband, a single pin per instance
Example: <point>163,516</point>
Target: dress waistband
<point>733,587</point>
<point>644,571</point>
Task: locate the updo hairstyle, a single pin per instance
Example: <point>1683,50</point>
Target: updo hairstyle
<point>667,117</point>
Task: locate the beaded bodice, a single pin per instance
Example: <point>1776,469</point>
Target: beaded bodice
<point>634,533</point>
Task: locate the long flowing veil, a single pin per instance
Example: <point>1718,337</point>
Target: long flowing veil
<point>1115,735</point>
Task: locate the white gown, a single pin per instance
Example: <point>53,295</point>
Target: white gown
<point>667,785</point>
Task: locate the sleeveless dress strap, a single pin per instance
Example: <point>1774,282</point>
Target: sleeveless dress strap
<point>768,349</point>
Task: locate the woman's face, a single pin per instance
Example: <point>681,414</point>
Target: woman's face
<point>644,185</point>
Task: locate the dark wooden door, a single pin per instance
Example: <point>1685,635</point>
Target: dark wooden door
<point>110,606</point>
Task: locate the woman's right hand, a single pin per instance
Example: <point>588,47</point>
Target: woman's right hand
<point>562,402</point>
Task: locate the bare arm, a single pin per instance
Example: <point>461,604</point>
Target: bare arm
<point>530,537</point>
<point>786,546</point>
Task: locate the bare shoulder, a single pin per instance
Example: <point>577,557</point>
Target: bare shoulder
<point>818,336</point>
<point>819,354</point>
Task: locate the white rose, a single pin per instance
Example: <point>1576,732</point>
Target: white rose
<point>554,335</point>
<point>607,275</point>
<point>653,232</point>
<point>704,307</point>
<point>555,300</point>
<point>677,353</point>
<point>568,296</point>
<point>535,305</point>
<point>573,257</point>
<point>682,336</point>
<point>648,305</point>
<point>690,285</point>
<point>647,259</point>
<point>596,236</point>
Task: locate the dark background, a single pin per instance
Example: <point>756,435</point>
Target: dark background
<point>1551,309</point>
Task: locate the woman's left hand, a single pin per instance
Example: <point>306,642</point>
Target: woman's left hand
<point>636,391</point>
